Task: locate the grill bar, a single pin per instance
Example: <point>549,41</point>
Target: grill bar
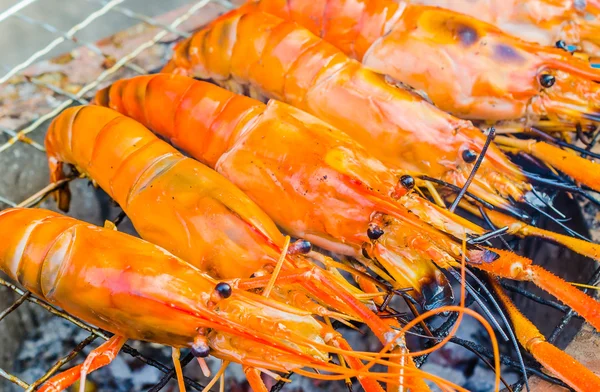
<point>69,35</point>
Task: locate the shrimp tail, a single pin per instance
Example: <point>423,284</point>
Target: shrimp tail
<point>63,194</point>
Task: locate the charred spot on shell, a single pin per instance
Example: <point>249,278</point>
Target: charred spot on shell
<point>547,80</point>
<point>469,156</point>
<point>365,252</point>
<point>467,34</point>
<point>481,256</point>
<point>407,181</point>
<point>436,292</point>
<point>505,52</point>
<point>223,289</point>
<point>489,256</point>
<point>374,231</point>
<point>300,246</point>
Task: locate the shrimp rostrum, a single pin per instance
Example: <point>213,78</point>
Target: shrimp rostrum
<point>137,290</point>
<point>402,130</point>
<point>328,188</point>
<point>467,67</point>
<point>198,215</point>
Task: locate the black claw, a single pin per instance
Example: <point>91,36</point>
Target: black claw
<point>407,181</point>
<point>374,232</point>
<point>469,156</point>
<point>547,80</point>
<point>224,290</point>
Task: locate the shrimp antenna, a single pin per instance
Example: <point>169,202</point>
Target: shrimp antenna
<point>561,224</point>
<point>591,198</point>
<point>488,236</point>
<point>457,189</point>
<point>487,220</point>
<point>561,184</point>
<point>512,210</point>
<point>513,338</point>
<point>476,296</point>
<point>500,311</point>
<point>556,183</point>
<point>490,137</point>
<point>562,143</point>
<point>590,143</point>
<point>591,116</point>
<point>587,188</point>
<point>545,202</point>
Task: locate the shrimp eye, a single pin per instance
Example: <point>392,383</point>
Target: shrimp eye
<point>200,350</point>
<point>407,181</point>
<point>374,232</point>
<point>469,156</point>
<point>547,80</point>
<point>300,246</point>
<point>224,289</point>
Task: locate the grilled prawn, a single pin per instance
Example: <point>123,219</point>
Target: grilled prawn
<point>137,290</point>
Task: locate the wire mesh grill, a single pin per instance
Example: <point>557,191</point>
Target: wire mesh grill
<point>165,28</point>
<point>155,31</point>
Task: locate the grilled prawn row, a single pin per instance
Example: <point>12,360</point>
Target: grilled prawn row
<point>341,155</point>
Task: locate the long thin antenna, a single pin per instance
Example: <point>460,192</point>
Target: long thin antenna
<point>457,189</point>
<point>487,220</point>
<point>558,222</point>
<point>490,137</point>
<point>487,236</point>
<point>546,203</point>
<point>562,143</point>
<point>500,311</point>
<point>471,290</point>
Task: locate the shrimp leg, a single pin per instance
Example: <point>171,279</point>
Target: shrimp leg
<point>253,377</point>
<point>99,357</point>
<point>512,266</point>
<point>561,364</point>
<point>521,229</point>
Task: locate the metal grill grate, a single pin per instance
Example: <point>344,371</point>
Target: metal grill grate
<point>161,29</point>
<point>155,31</point>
